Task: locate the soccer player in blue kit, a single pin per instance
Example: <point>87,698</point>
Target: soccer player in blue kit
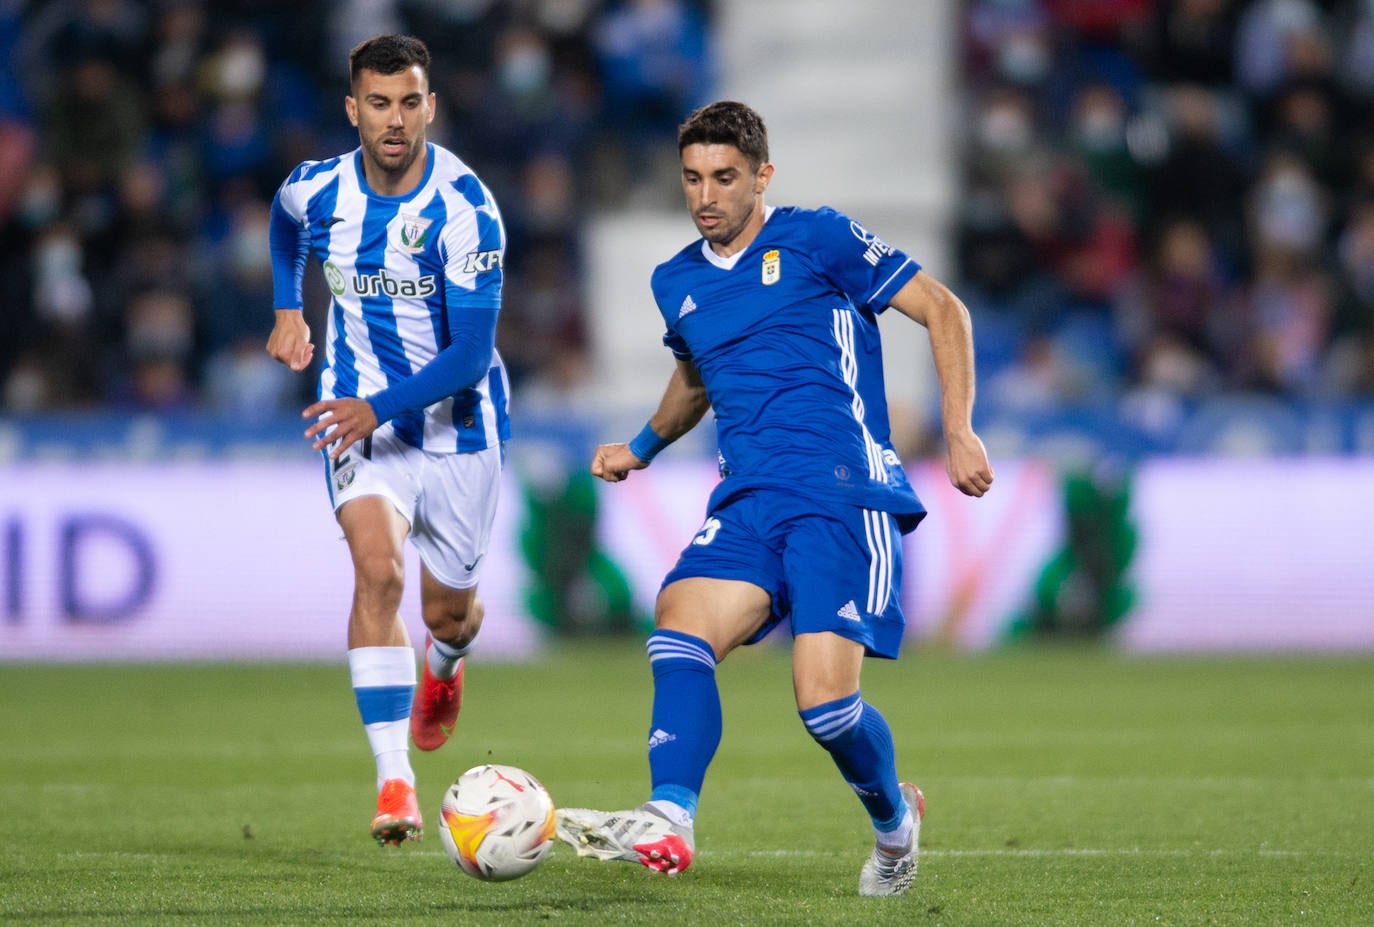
<point>772,319</point>
<point>412,409</point>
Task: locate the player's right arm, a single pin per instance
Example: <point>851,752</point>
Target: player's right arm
<point>289,342</point>
<point>683,404</point>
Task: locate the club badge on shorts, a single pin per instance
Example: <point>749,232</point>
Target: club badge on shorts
<point>345,468</point>
<point>772,267</point>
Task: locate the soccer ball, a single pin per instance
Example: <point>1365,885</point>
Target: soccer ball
<point>496,822</point>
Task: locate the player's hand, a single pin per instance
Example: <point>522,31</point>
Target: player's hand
<point>613,462</point>
<point>290,340</point>
<point>339,423</point>
<point>967,464</point>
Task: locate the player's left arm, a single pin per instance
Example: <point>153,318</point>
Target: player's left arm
<point>929,302</point>
<point>472,341</point>
<point>462,364</point>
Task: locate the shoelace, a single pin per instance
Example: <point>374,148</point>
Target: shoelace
<point>885,864</point>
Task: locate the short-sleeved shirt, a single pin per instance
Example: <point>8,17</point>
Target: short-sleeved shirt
<point>785,336</point>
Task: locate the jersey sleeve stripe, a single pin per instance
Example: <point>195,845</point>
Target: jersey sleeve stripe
<point>881,296</point>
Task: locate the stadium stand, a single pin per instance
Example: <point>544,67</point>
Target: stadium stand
<point>1165,226</point>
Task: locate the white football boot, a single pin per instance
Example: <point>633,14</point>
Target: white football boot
<point>641,835</point>
<point>887,873</point>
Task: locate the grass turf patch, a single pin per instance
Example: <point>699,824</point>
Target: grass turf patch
<point>1064,786</point>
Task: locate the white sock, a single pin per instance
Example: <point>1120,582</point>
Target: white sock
<point>672,811</point>
<point>442,658</point>
<point>384,683</point>
<point>898,841</point>
<point>391,751</point>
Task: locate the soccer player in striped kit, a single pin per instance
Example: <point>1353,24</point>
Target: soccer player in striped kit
<point>412,409</point>
<point>772,318</point>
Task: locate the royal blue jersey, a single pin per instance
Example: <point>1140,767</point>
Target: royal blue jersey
<point>408,275</point>
<point>785,336</point>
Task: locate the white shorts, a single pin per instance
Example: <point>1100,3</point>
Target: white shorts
<point>448,499</point>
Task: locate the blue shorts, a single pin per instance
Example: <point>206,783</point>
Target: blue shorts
<point>827,566</point>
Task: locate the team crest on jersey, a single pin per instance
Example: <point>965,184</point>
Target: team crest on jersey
<point>412,233</point>
<point>772,267</point>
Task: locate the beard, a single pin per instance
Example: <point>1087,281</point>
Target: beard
<point>392,163</point>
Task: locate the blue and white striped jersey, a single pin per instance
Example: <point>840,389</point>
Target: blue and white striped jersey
<point>401,271</point>
<point>785,336</point>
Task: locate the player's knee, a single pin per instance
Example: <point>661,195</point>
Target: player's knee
<point>379,577</point>
<point>455,620</point>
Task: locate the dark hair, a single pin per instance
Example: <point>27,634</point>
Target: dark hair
<point>387,54</point>
<point>727,123</point>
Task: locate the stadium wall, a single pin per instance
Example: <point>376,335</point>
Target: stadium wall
<point>223,559</point>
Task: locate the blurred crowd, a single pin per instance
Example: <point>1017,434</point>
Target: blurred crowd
<point>1169,200</point>
<point>1164,200</point>
<point>141,144</point>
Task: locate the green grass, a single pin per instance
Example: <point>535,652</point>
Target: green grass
<point>1064,786</point>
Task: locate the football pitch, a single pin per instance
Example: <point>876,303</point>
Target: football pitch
<point>1063,786</point>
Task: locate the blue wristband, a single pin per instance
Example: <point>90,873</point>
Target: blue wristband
<point>647,443</point>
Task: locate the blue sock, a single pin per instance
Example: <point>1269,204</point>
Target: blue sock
<point>858,739</point>
<point>686,724</point>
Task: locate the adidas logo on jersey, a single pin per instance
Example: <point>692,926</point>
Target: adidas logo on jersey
<point>688,305</point>
<point>849,612</point>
